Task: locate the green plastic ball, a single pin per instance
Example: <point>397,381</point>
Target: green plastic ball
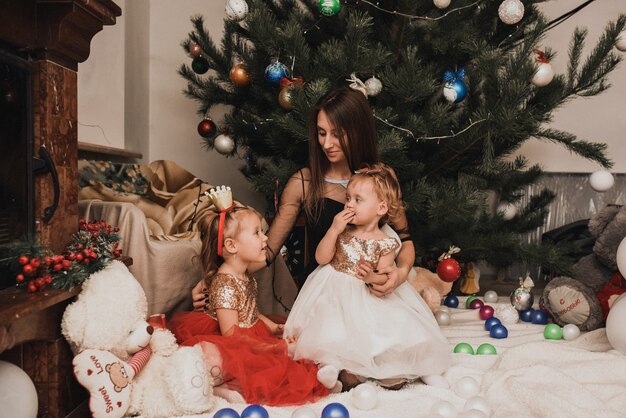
<point>463,348</point>
<point>329,7</point>
<point>469,301</point>
<point>552,332</point>
<point>486,349</point>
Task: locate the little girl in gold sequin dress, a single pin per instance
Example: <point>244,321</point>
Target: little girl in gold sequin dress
<point>244,350</point>
<point>337,321</point>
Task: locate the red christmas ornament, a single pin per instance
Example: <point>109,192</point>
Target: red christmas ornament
<point>207,128</point>
<point>448,270</point>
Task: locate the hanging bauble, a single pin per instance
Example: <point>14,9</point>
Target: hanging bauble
<point>454,89</point>
<point>274,72</point>
<point>511,11</point>
<point>285,98</point>
<point>207,128</point>
<point>545,73</point>
<point>507,209</point>
<point>601,181</point>
<point>240,76</point>
<point>441,4</point>
<point>236,9</point>
<point>200,65</point>
<point>224,144</point>
<point>329,7</point>
<point>522,298</point>
<point>448,269</point>
<point>195,50</point>
<point>373,86</point>
<point>620,42</point>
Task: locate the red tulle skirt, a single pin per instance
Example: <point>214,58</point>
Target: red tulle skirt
<point>255,359</point>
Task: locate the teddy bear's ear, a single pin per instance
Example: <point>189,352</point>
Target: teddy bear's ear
<point>73,327</point>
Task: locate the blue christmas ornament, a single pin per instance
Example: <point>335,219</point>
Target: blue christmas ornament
<point>335,410</point>
<point>226,413</point>
<point>498,331</point>
<point>454,89</point>
<point>526,315</point>
<point>539,317</point>
<point>255,411</point>
<point>274,72</point>
<point>491,322</point>
<point>451,301</point>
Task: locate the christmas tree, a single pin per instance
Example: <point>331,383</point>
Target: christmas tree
<point>456,89</point>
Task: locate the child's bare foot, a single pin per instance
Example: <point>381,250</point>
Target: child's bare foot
<point>327,376</point>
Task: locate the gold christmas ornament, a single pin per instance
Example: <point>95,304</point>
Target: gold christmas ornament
<point>239,76</point>
<point>285,98</point>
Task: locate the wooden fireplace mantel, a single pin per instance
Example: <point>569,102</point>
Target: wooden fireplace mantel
<point>55,30</point>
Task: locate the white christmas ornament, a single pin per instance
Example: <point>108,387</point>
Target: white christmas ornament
<point>304,412</point>
<point>18,395</point>
<point>466,387</point>
<point>620,257</point>
<point>224,144</point>
<point>615,329</point>
<point>621,41</point>
<point>544,75</point>
<point>491,296</point>
<point>601,181</point>
<point>570,332</point>
<point>236,9</point>
<point>373,86</point>
<point>508,210</point>
<point>511,11</point>
<point>441,4</point>
<point>478,403</point>
<point>507,314</point>
<point>365,396</point>
<point>444,409</point>
<point>443,317</point>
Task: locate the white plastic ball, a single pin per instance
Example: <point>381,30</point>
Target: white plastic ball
<point>508,210</point>
<point>443,317</point>
<point>507,314</point>
<point>490,296</point>
<point>224,144</point>
<point>373,86</point>
<point>601,181</point>
<point>364,396</point>
<point>478,403</point>
<point>570,332</point>
<point>511,11</point>
<point>620,257</point>
<point>441,4</point>
<point>444,408</point>
<point>236,9</point>
<point>443,308</point>
<point>473,413</point>
<point>18,395</point>
<point>615,329</point>
<point>466,387</point>
<point>544,75</point>
<point>621,41</point>
<point>304,412</point>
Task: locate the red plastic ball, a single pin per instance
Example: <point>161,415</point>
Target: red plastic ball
<point>476,304</point>
<point>207,128</point>
<point>448,270</point>
<point>485,312</point>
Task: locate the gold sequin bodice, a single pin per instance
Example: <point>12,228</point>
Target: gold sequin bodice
<point>229,292</point>
<point>350,249</point>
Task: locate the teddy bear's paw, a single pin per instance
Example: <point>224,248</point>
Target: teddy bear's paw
<point>190,384</point>
<point>163,342</point>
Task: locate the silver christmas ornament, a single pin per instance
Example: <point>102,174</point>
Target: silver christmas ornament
<point>443,317</point>
<point>441,4</point>
<point>236,9</point>
<point>544,75</point>
<point>511,11</point>
<point>522,298</point>
<point>373,86</point>
<point>224,144</point>
<point>507,314</point>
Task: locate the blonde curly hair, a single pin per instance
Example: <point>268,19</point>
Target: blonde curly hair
<point>386,186</point>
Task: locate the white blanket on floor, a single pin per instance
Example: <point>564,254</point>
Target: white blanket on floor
<point>529,377</point>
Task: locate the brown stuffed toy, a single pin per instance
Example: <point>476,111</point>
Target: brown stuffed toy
<point>429,285</point>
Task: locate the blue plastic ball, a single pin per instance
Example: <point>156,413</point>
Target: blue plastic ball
<point>226,413</point>
<point>455,91</point>
<point>498,331</point>
<point>526,315</point>
<point>274,72</point>
<point>255,411</point>
<point>335,410</point>
<point>491,322</point>
<point>539,317</point>
<point>451,301</point>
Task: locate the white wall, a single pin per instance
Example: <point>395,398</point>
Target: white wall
<point>130,87</point>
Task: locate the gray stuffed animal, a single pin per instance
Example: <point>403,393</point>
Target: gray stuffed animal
<point>573,300</point>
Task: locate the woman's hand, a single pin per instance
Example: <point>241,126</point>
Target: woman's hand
<point>341,220</point>
<point>199,296</point>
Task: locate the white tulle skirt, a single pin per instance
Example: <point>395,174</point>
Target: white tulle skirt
<point>337,321</point>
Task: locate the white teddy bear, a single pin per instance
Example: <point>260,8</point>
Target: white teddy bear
<point>105,327</point>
